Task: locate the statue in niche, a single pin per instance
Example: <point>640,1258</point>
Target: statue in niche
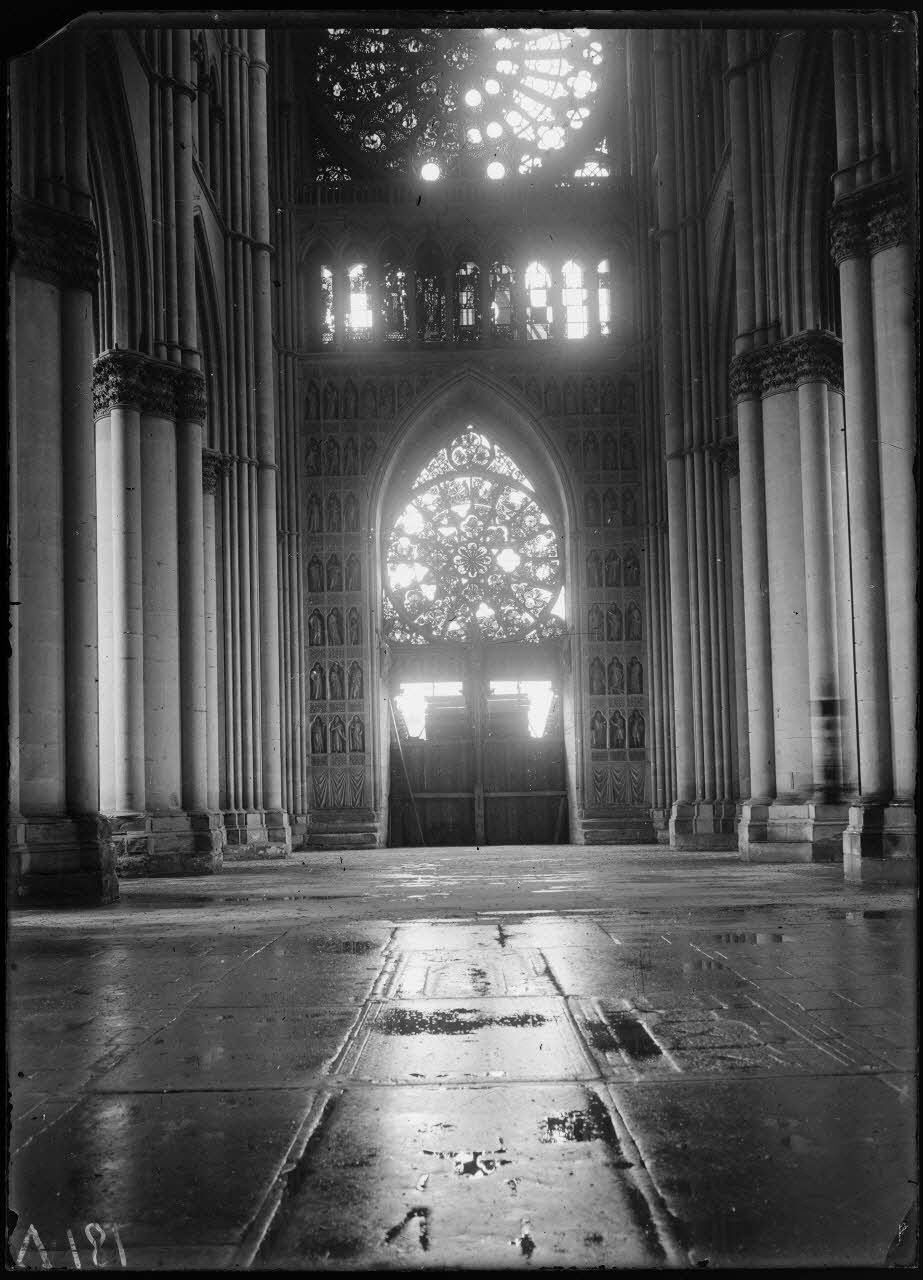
<point>315,524</point>
<point>352,626</point>
<point>617,731</point>
<point>331,401</point>
<point>629,508</point>
<point>573,451</point>
<point>570,397</point>
<point>351,514</point>
<point>552,396</point>
<point>334,626</point>
<point>353,574</point>
<point>369,400</point>
<point>608,396</point>
<point>533,393</point>
<point>636,730</point>
<point>632,570</point>
<point>595,623</point>
<point>610,508</point>
<point>598,732</point>
<point>634,622</point>
<point>590,452</point>
<point>627,396</point>
<point>386,401</point>
<point>334,574</point>
<point>336,682</point>
<point>597,677</point>
<point>350,457</point>
<point>316,630</point>
<point>594,570</point>
<point>312,457</point>
<point>589,395</point>
<point>616,676</point>
<point>333,513</point>
<point>610,453</point>
<point>635,676</point>
<point>315,576</point>
<point>337,736</point>
<point>369,445</point>
<point>312,402</point>
<point>318,690</point>
<point>349,399</point>
<point>613,569</point>
<point>613,622</point>
<point>331,457</point>
<point>356,734</point>
<point>591,503</point>
<point>404,392</point>
<point>318,737</point>
<point>629,452</point>
<point>355,681</point>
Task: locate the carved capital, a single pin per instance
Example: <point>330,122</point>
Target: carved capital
<point>814,356</point>
<point>127,378</point>
<point>53,245</point>
<point>191,396</point>
<point>727,456</point>
<point>745,376</point>
<point>869,220</point>
<point>213,464</point>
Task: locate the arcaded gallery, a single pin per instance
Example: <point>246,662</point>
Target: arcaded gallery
<point>462,526</point>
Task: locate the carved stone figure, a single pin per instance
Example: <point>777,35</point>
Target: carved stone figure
<point>337,736</point>
<point>591,503</point>
<point>597,677</point>
<point>632,570</point>
<point>334,574</point>
<point>629,452</point>
<point>316,630</point>
<point>353,574</point>
<point>610,508</point>
<point>336,682</point>
<point>616,731</point>
<point>315,577</point>
<point>315,524</point>
<point>610,453</point>
<point>331,401</point>
<point>355,681</point>
<point>598,731</point>
<point>629,508</point>
<point>333,513</point>
<point>318,737</point>
<point>595,623</point>
<point>369,445</point>
<point>634,622</point>
<point>350,457</point>
<point>369,400</point>
<point>351,514</point>
<point>349,399</point>
<point>613,622</point>
<point>335,626</point>
<point>352,626</point>
<point>590,452</point>
<point>616,676</point>
<point>594,570</point>
<point>312,402</point>
<point>613,569</point>
<point>356,734</point>
<point>316,678</point>
<point>312,457</point>
<point>636,729</point>
<point>331,457</point>
<point>635,676</point>
<point>386,401</point>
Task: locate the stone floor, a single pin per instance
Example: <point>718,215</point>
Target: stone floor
<point>458,1058</point>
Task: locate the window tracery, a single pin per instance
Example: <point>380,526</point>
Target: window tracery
<point>472,553</point>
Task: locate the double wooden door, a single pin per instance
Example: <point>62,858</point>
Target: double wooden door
<point>479,775</point>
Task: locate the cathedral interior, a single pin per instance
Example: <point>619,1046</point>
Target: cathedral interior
<point>462,534</point>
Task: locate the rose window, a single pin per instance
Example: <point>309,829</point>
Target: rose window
<point>473,553</point>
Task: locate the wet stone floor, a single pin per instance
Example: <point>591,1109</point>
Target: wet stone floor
<point>506,1058</point>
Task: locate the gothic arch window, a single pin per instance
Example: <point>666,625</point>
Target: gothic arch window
<point>604,297</point>
<point>395,299</point>
<point>539,311</point>
<point>502,313</point>
<point>576,315</point>
<point>467,288</point>
<point>327,323</point>
<point>431,297</point>
<point>472,553</point>
<point>359,310</point>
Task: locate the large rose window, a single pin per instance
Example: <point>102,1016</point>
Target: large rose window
<point>472,553</point>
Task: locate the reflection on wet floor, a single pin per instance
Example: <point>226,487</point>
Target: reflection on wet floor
<point>658,1072</point>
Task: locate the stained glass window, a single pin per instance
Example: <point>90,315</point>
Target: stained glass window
<point>359,313</point>
<point>539,311</point>
<point>395,303</point>
<point>326,290</point>
<point>466,302</point>
<point>575,305</point>
<point>473,553</point>
<point>605,298</point>
<point>501,300</point>
<point>491,103</point>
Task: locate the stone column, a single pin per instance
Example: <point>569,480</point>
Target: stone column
<point>62,851</point>
<point>211,465</point>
